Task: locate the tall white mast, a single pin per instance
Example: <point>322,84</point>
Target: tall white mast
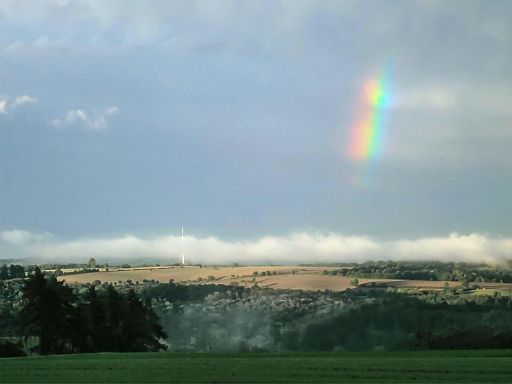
<point>182,249</point>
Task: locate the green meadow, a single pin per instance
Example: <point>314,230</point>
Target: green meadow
<point>357,367</point>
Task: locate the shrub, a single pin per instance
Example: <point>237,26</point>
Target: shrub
<point>10,348</point>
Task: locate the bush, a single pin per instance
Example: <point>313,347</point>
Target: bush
<point>11,348</point>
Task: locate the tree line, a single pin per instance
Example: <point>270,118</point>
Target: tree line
<point>427,270</point>
<point>179,292</point>
<point>13,271</point>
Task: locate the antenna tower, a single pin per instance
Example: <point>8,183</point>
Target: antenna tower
<point>182,249</point>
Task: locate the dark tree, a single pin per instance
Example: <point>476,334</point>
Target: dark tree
<point>4,272</point>
<point>141,329</point>
<point>114,315</point>
<point>47,312</point>
<point>16,271</point>
<point>91,263</point>
<point>109,322</point>
<point>96,321</point>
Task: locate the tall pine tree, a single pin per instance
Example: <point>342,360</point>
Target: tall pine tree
<point>47,312</point>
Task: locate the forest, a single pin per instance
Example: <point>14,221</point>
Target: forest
<point>370,319</point>
<point>41,315</point>
<point>62,321</point>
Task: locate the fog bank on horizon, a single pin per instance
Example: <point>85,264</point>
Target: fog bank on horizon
<point>300,247</point>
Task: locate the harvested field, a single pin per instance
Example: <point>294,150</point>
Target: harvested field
<point>281,277</point>
<point>309,282</point>
<point>187,274</point>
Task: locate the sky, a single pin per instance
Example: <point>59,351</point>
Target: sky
<point>121,122</point>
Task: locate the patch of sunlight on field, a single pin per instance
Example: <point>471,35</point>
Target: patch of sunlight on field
<point>312,282</point>
<point>493,292</point>
<point>186,274</point>
<point>277,277</point>
<point>280,277</point>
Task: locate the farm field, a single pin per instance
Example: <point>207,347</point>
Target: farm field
<point>368,367</point>
<point>304,281</point>
<point>186,274</point>
<point>285,277</point>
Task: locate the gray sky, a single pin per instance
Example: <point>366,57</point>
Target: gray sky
<point>233,118</point>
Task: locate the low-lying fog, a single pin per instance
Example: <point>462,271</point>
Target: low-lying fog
<point>291,249</point>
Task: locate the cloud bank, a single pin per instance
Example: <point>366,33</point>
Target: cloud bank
<point>295,248</point>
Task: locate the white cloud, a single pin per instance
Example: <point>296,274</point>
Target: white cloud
<point>7,103</point>
<point>3,106</point>
<point>111,111</point>
<point>295,248</point>
<point>24,99</point>
<point>80,118</point>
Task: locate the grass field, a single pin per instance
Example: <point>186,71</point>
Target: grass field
<point>368,367</point>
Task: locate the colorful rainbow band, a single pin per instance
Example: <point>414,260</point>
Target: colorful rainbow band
<point>368,133</point>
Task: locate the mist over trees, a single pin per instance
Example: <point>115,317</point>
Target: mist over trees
<point>40,314</point>
<point>367,319</point>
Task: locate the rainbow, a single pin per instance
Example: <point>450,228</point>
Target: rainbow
<point>367,135</point>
